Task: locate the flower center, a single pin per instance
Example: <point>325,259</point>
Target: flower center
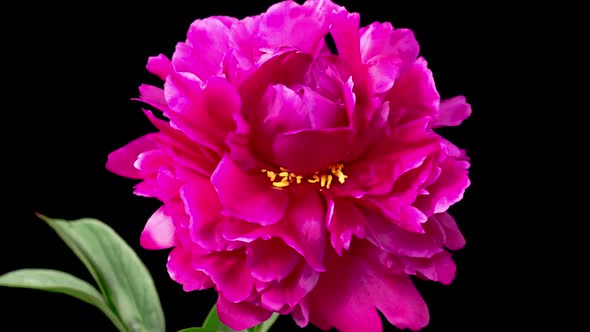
<point>325,177</point>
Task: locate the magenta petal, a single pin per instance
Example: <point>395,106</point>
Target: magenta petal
<point>414,95</point>
<point>205,47</point>
<point>121,161</point>
<point>158,232</point>
<point>400,213</point>
<point>307,151</point>
<point>240,316</point>
<point>204,210</point>
<point>303,227</point>
<point>452,112</point>
<point>448,188</point>
<point>454,238</point>
<point>355,285</point>
<point>270,260</point>
<point>346,222</point>
<point>288,24</point>
<point>159,66</point>
<point>399,241</point>
<point>300,313</point>
<point>181,271</point>
<point>290,291</point>
<point>388,52</point>
<point>439,267</point>
<point>248,196</point>
<point>202,112</point>
<point>228,271</point>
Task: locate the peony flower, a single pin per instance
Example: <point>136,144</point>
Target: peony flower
<point>296,179</point>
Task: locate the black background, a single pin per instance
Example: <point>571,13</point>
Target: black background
<point>71,73</point>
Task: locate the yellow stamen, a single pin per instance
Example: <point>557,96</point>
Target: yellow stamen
<point>284,178</point>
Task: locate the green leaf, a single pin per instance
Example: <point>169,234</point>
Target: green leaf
<point>265,327</point>
<point>123,279</point>
<point>59,282</point>
<point>196,329</point>
<point>213,323</point>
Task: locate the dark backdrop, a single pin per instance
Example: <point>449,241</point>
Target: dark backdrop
<point>71,73</point>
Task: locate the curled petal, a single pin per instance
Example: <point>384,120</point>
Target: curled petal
<point>121,161</point>
<point>240,316</point>
<point>158,232</point>
<point>452,112</point>
<point>181,271</point>
<point>454,240</point>
<point>228,271</point>
<point>202,111</point>
<point>160,66</point>
<point>271,260</point>
<point>248,195</point>
<point>355,285</point>
<point>347,221</point>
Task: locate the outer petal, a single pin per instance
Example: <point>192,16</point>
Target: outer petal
<point>287,24</point>
<point>206,44</point>
<point>160,66</point>
<point>454,238</point>
<point>399,241</point>
<point>388,52</point>
<point>271,260</point>
<point>447,189</point>
<point>439,268</point>
<point>228,271</point>
<point>158,232</point>
<point>414,95</point>
<point>204,210</point>
<point>202,112</point>
<point>355,285</point>
<point>240,316</point>
<point>248,196</point>
<point>346,222</point>
<point>121,161</point>
<point>290,291</point>
<point>452,112</point>
<point>181,271</point>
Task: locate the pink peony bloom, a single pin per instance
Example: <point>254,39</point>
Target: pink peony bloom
<point>299,181</point>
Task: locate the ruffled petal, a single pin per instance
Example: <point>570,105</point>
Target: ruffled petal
<point>439,267</point>
<point>288,24</point>
<point>448,188</point>
<point>290,291</point>
<point>347,221</point>
<point>240,316</point>
<point>204,210</point>
<point>180,270</point>
<point>202,112</point>
<point>271,260</point>
<point>248,195</point>
<point>206,45</point>
<point>228,271</point>
<point>414,95</point>
<point>399,241</point>
<point>355,285</point>
<point>454,240</point>
<point>388,53</point>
